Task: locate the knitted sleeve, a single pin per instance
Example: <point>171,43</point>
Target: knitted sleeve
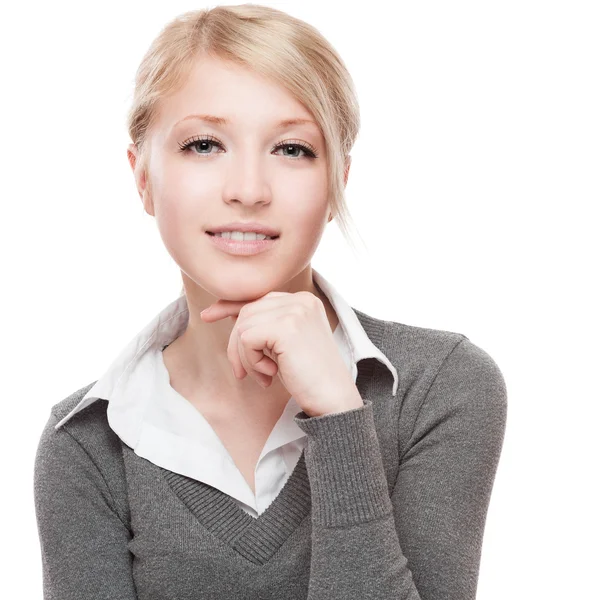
<point>424,540</point>
<point>83,541</point>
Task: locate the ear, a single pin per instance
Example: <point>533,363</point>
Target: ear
<point>141,182</point>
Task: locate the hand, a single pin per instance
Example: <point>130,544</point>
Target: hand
<point>288,335</point>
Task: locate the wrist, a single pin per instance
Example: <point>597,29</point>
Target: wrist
<point>349,401</point>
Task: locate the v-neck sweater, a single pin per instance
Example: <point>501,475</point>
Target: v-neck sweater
<point>171,430</point>
<point>388,500</point>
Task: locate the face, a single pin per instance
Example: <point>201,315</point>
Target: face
<point>204,174</point>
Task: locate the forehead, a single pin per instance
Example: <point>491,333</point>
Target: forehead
<point>238,96</point>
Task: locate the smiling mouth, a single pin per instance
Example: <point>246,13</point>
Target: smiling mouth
<point>274,237</point>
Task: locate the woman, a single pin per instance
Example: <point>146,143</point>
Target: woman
<point>260,438</point>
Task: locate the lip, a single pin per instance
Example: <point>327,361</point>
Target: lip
<point>241,247</point>
<point>244,226</point>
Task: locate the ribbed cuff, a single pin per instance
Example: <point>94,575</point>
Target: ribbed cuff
<point>345,469</point>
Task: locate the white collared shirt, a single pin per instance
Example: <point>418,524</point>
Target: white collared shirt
<point>162,426</point>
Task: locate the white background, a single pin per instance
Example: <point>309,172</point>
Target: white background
<point>474,186</point>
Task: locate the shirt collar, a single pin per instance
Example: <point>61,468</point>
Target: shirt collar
<point>171,322</point>
<point>359,343</point>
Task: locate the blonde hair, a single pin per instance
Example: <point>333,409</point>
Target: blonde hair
<point>271,43</point>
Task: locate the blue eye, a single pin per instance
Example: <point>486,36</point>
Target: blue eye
<point>205,143</point>
<point>308,153</point>
<point>200,142</point>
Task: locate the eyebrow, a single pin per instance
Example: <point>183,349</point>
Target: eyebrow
<point>223,121</point>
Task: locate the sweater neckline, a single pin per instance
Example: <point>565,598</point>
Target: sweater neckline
<point>257,539</point>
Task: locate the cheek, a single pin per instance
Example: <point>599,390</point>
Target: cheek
<point>182,197</point>
<point>305,215</point>
<point>180,215</point>
<point>303,222</point>
<point>302,199</point>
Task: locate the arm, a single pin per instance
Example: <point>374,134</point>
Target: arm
<point>82,539</point>
<point>424,541</point>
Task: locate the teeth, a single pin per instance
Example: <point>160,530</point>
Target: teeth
<point>240,236</point>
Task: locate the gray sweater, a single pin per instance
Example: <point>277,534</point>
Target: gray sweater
<point>388,501</point>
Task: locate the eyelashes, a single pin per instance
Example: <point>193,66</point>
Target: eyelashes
<point>309,151</point>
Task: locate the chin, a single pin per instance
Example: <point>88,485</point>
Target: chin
<point>239,289</point>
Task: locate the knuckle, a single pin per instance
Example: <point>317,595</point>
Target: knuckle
<point>244,311</point>
<point>299,310</point>
<point>310,298</point>
<point>294,322</point>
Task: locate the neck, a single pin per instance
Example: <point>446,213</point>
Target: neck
<point>197,359</point>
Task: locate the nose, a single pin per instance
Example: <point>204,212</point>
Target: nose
<point>247,180</point>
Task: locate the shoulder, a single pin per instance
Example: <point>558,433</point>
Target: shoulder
<point>443,374</point>
<point>89,427</point>
<point>66,405</point>
<point>428,354</point>
<point>88,441</point>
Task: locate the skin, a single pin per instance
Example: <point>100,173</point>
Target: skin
<point>240,177</point>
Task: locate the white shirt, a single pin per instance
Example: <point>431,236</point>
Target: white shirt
<point>160,425</point>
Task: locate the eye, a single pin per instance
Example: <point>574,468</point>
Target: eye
<point>205,142</point>
<point>200,142</point>
<point>309,151</point>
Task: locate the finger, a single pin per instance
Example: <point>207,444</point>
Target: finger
<point>262,379</point>
<point>224,308</point>
<point>233,354</point>
<point>244,353</point>
<point>252,344</point>
<point>263,370</point>
<point>263,359</point>
<point>267,366</point>
<point>220,310</point>
<point>254,358</point>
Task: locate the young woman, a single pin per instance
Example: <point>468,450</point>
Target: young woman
<point>261,438</point>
